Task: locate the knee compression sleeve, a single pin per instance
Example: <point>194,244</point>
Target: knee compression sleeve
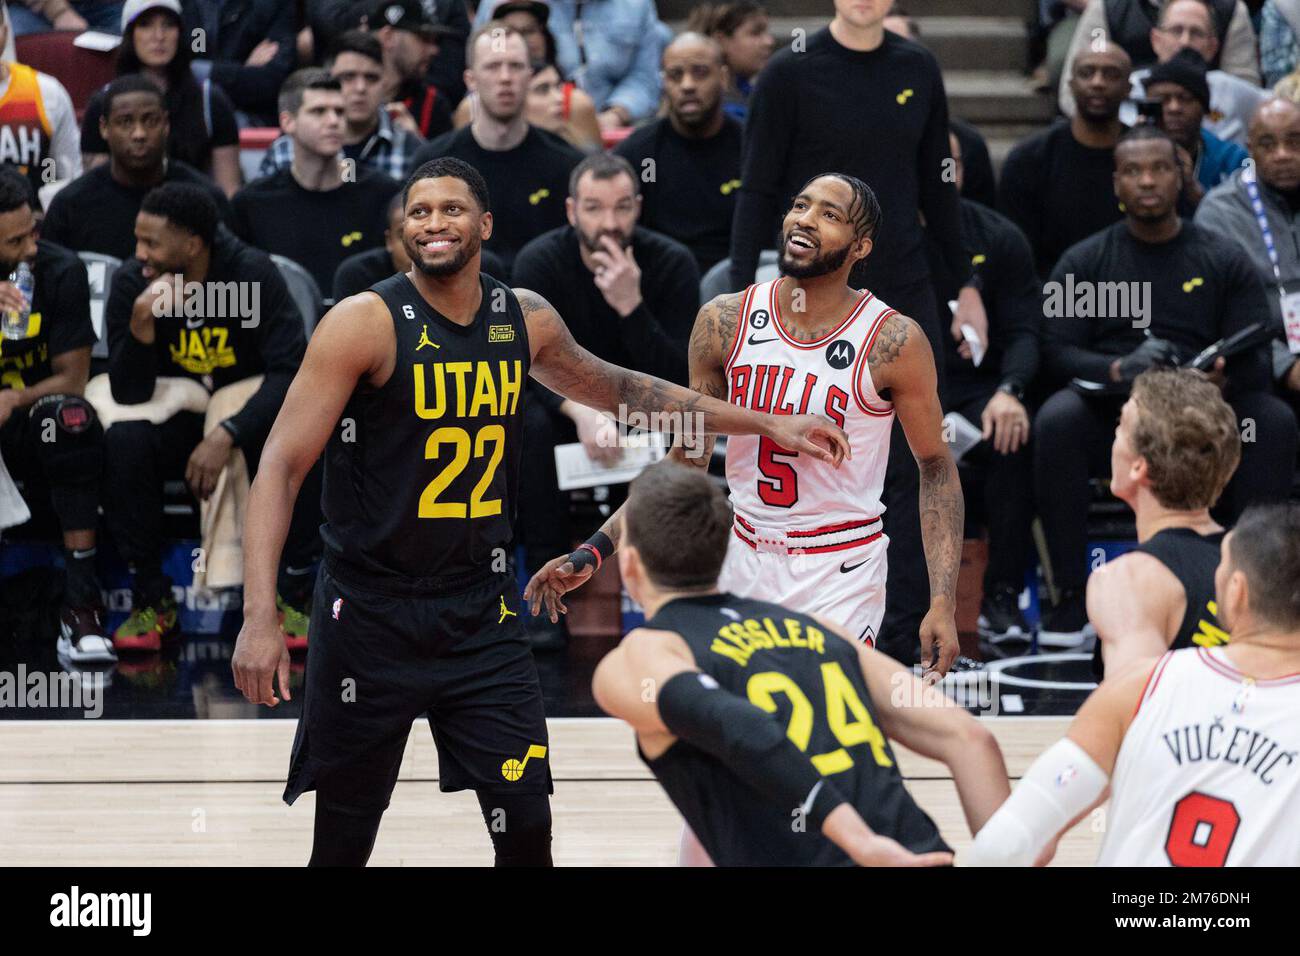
<point>520,827</point>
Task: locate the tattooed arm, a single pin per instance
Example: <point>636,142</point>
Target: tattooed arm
<point>711,341</point>
<point>901,361</point>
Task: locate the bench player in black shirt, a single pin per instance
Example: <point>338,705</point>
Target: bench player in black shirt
<point>1175,448</point>
<point>768,727</point>
<point>414,391</point>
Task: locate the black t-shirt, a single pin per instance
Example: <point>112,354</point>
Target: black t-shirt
<point>527,185</point>
<point>60,319</point>
<point>653,338</point>
<point>202,118</point>
<point>96,213</point>
<point>259,333</point>
<point>692,194</point>
<point>1202,288</point>
<point>1058,192</point>
<point>317,230</point>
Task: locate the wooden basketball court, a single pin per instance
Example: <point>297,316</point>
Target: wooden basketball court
<point>207,792</point>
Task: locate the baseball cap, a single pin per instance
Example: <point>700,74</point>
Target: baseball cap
<point>538,9</point>
<point>407,15</point>
<point>133,8</point>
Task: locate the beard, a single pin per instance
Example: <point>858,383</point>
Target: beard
<point>440,270</point>
<point>591,241</point>
<point>823,264</point>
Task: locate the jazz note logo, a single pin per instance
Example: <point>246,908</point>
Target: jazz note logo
<point>513,769</point>
<point>730,186</point>
<point>350,238</point>
<point>538,196</point>
<point>905,95</point>
<point>1191,284</point>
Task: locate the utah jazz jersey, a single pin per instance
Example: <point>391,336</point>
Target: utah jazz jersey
<point>422,475</point>
<point>810,682</point>
<point>25,128</point>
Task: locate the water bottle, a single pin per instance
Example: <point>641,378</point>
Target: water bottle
<point>16,323</point>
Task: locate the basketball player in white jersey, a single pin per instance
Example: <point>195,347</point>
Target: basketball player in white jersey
<point>808,535</point>
<point>1200,748</point>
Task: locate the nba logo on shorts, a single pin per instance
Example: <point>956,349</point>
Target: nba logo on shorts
<point>338,606</point>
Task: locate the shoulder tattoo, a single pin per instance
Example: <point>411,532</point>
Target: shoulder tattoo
<point>890,339</point>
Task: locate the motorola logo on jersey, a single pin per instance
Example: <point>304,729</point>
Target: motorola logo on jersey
<point>759,319</point>
<point>839,354</point>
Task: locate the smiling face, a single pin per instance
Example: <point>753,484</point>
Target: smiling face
<point>817,234</point>
<point>444,227</point>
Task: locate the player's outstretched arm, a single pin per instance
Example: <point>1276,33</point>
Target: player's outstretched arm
<point>711,338</point>
<point>353,341</point>
<point>565,367</point>
<point>651,681</point>
<point>1134,602</point>
<point>923,719</point>
<point>901,360</point>
<point>1066,782</point>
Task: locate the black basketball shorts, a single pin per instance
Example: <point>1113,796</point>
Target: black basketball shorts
<point>376,662</point>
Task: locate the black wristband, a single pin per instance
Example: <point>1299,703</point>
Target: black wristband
<point>583,556</point>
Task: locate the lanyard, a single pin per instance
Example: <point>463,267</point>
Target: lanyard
<point>1256,204</point>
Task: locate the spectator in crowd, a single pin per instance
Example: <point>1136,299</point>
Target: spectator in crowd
<point>689,161</point>
<point>359,272</point>
<point>1051,38</point>
<point>863,101</point>
<point>153,337</point>
<point>1058,185</point>
<point>248,51</point>
<point>50,438</point>
<point>97,211</point>
<point>741,29</point>
<point>555,103</point>
<point>1171,289</point>
<point>611,48</point>
<point>1227,210</point>
<point>38,126</point>
<point>40,16</point>
<point>318,210</point>
<point>409,40</point>
<point>1190,24</point>
<point>204,133</point>
<point>978,182</point>
<point>629,295</point>
<point>991,396</point>
<point>1130,24</point>
<point>527,171</point>
<point>370,137</point>
<point>1179,86</point>
<point>1279,49</point>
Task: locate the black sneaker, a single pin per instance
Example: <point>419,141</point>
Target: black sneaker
<point>1001,618</point>
<point>1066,623</point>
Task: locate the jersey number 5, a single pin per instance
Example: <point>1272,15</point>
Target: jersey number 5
<point>841,702</point>
<point>458,438</point>
<point>779,485</point>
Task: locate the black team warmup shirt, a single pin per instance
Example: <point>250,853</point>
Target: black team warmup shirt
<point>213,349</point>
<point>60,319</point>
<point>1203,288</point>
<point>96,213</point>
<point>316,229</point>
<point>692,196</point>
<point>527,185</point>
<point>879,115</point>
<point>1058,192</point>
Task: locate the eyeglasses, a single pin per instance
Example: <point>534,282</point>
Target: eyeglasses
<point>1185,33</point>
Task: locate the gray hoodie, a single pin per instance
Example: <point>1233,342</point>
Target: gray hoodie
<point>1225,210</point>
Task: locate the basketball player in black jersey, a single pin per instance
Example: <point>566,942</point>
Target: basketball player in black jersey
<point>767,727</point>
<point>1176,446</point>
<point>413,389</point>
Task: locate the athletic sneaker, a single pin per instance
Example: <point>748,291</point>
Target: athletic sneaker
<point>1001,618</point>
<point>293,624</point>
<point>1066,623</point>
<point>145,628</point>
<point>81,636</point>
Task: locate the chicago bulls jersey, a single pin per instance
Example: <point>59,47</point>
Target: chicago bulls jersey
<point>767,370</point>
<point>1209,771</point>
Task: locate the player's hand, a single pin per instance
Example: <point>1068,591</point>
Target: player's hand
<point>598,433</point>
<point>1216,374</point>
<point>970,311</point>
<point>618,277</point>
<point>206,461</point>
<point>263,53</point>
<point>810,435</point>
<point>845,828</point>
<point>938,635</point>
<point>11,300</point>
<point>556,578</point>
<point>1005,421</point>
<point>8,403</point>
<point>260,655</point>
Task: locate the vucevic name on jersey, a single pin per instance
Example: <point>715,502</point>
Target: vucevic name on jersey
<point>769,371</point>
<point>811,682</point>
<point>422,475</point>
